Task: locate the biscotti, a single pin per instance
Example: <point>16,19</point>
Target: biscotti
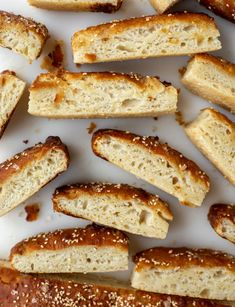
<point>143,37</point>
<point>222,219</point>
<point>17,289</point>
<point>100,95</point>
<point>163,5</point>
<point>22,35</point>
<point>223,8</point>
<point>211,78</point>
<point>187,272</point>
<point>91,249</point>
<point>154,162</point>
<point>11,90</point>
<point>116,205</point>
<point>107,6</point>
<point>27,172</point>
<point>214,134</point>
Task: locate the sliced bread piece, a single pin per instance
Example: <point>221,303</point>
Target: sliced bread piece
<point>107,6</point>
<point>11,90</point>
<point>187,272</point>
<point>211,78</point>
<point>100,95</point>
<point>92,249</point>
<point>223,8</point>
<point>116,205</point>
<point>214,135</point>
<point>27,172</point>
<point>143,37</point>
<point>22,35</point>
<point>154,162</point>
<point>222,219</point>
<point>163,5</point>
<point>18,289</point>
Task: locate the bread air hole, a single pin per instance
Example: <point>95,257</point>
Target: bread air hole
<point>175,180</point>
<point>124,48</point>
<point>205,293</point>
<point>145,216</point>
<point>129,103</point>
<point>84,205</point>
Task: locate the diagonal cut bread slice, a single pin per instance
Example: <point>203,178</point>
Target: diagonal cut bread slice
<point>77,290</point>
<point>143,37</point>
<point>214,135</point>
<point>100,95</point>
<point>91,249</point>
<point>27,172</point>
<point>222,220</point>
<point>211,78</point>
<point>162,6</point>
<point>11,90</point>
<point>22,35</point>
<point>223,8</point>
<point>116,205</point>
<point>154,162</point>
<point>199,273</point>
<point>106,6</point>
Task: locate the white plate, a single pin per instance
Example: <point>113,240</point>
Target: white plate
<point>190,226</point>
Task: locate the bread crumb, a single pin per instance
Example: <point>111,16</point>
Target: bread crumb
<point>32,212</point>
<point>182,71</point>
<point>155,118</point>
<point>179,118</point>
<point>55,59</point>
<point>91,128</point>
<point>25,141</point>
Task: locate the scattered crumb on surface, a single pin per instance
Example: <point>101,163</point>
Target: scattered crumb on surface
<point>155,118</point>
<point>91,128</point>
<point>32,212</point>
<point>78,65</point>
<point>179,118</point>
<point>25,141</point>
<point>55,59</point>
<point>182,70</point>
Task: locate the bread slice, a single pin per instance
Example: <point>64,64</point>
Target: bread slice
<point>211,78</point>
<point>27,172</point>
<point>75,290</point>
<point>222,219</point>
<point>107,6</point>
<point>214,135</point>
<point>100,95</point>
<point>187,272</point>
<point>223,8</point>
<point>116,205</point>
<point>154,162</point>
<point>92,249</point>
<point>11,90</point>
<point>22,35</point>
<point>143,37</point>
<point>163,5</point>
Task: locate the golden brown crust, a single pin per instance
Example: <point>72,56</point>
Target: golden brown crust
<point>219,213</point>
<point>92,235</point>
<point>21,160</point>
<point>223,8</point>
<point>26,24</point>
<point>17,289</point>
<point>221,118</point>
<point>167,258</point>
<point>152,144</point>
<point>123,191</point>
<point>62,78</point>
<point>96,7</point>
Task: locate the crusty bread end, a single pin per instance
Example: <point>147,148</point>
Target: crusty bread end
<point>162,6</point>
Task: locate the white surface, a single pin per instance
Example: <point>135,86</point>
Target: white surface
<point>190,227</point>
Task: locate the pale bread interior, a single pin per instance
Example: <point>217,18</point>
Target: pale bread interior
<point>227,229</point>
<point>204,78</point>
<point>92,96</point>
<point>27,181</point>
<point>205,282</point>
<point>162,39</point>
<point>154,168</point>
<point>163,5</point>
<point>216,139</point>
<point>73,259</point>
<point>11,90</point>
<point>130,215</point>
